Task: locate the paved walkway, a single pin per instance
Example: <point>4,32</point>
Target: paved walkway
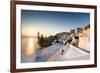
<point>49,52</point>
<point>70,53</point>
<point>53,53</point>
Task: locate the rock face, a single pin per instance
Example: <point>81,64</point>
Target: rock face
<point>38,53</point>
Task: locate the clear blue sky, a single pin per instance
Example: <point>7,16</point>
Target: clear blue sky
<point>52,21</point>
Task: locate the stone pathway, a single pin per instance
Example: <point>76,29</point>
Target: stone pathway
<point>48,53</point>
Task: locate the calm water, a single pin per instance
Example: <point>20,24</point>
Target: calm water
<point>29,45</point>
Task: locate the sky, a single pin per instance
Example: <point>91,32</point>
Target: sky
<point>51,22</point>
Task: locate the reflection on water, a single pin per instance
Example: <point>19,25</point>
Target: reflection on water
<point>29,45</point>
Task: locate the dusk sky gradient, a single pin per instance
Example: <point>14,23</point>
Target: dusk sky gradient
<point>51,22</point>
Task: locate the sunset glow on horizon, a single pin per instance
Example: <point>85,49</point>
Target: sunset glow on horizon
<point>32,31</point>
<point>51,22</point>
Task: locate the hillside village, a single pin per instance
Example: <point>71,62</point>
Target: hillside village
<point>64,46</point>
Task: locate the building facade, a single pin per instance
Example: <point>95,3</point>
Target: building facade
<point>84,38</point>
